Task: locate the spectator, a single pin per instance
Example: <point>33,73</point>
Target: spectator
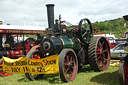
<point>39,38</point>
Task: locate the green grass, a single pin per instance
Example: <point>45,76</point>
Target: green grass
<point>86,76</point>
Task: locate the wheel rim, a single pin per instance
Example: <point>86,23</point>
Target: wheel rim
<point>70,66</point>
<point>102,55</point>
<point>1,71</point>
<point>126,72</point>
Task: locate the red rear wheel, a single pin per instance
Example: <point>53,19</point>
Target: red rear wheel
<point>123,72</point>
<point>99,54</point>
<point>126,72</point>
<point>3,74</point>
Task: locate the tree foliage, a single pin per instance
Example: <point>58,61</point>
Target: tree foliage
<point>115,26</point>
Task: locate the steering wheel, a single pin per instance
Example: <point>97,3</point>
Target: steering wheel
<point>29,43</point>
<point>85,30</point>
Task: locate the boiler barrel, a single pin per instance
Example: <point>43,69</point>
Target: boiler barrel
<point>70,43</point>
<point>54,45</point>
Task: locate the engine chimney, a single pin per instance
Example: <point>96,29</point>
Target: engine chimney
<point>50,14</point>
<point>125,17</point>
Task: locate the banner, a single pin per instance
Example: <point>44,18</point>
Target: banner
<point>48,65</point>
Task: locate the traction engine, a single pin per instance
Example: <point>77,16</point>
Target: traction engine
<point>75,47</point>
<point>123,64</point>
<point>14,50</point>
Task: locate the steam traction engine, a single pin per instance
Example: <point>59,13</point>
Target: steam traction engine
<point>75,47</point>
<point>123,64</point>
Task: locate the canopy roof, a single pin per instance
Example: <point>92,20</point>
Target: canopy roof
<point>21,29</point>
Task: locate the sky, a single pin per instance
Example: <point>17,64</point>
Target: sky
<point>34,13</point>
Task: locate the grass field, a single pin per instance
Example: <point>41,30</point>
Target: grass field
<point>86,76</point>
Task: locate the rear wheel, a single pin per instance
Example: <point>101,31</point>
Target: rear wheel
<point>121,73</point>
<point>33,54</point>
<point>126,72</point>
<point>68,65</point>
<point>99,54</point>
<point>3,74</point>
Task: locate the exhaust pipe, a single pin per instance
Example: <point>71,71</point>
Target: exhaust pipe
<point>50,14</point>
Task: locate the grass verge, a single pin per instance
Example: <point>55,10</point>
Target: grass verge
<point>86,76</point>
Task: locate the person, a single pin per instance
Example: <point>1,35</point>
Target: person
<point>39,38</point>
<point>9,40</point>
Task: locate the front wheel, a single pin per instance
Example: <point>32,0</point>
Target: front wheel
<point>33,54</point>
<point>68,65</point>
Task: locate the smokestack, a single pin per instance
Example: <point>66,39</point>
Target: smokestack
<point>125,17</point>
<point>50,14</point>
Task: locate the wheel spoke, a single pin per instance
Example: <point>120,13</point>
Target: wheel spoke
<point>105,50</point>
<point>98,58</point>
<point>72,61</point>
<point>88,27</point>
<point>71,72</point>
<point>67,58</point>
<point>66,64</point>
<point>99,46</point>
<point>84,34</point>
<point>98,49</point>
<point>99,62</point>
<point>102,44</point>
<point>66,71</point>
<point>98,53</point>
<point>84,28</point>
<point>104,60</point>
